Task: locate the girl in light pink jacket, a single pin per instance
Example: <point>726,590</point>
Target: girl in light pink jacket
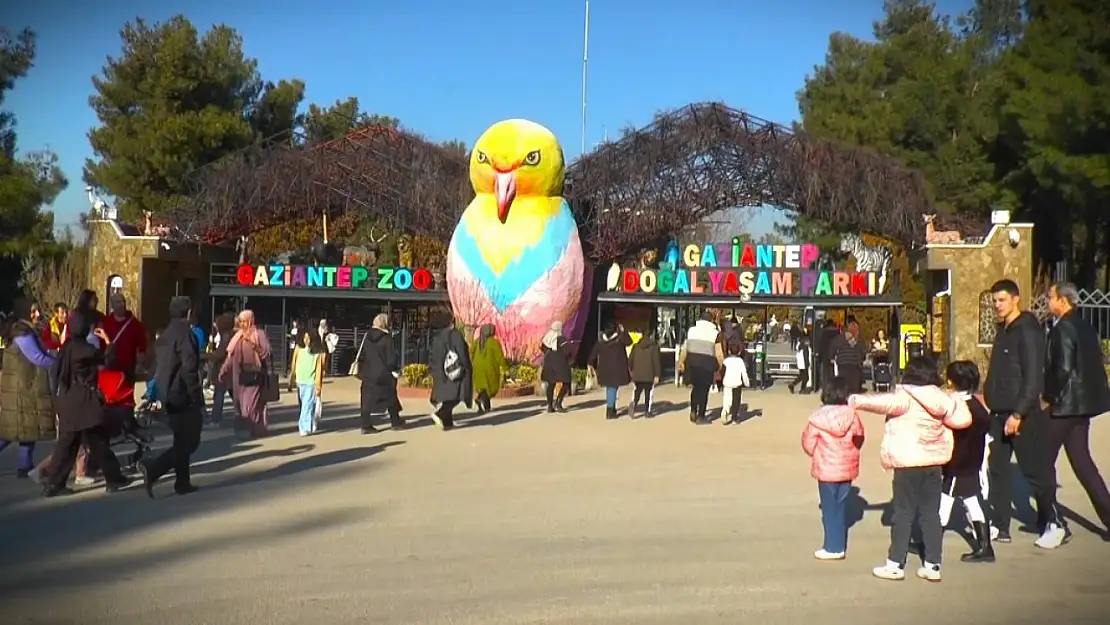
<point>832,438</point>
<point>917,442</point>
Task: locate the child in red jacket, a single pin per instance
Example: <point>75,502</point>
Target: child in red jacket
<point>833,438</point>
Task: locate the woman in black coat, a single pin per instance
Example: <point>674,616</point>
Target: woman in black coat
<point>610,362</point>
<point>451,371</point>
<point>80,408</point>
<point>378,370</point>
<point>556,366</point>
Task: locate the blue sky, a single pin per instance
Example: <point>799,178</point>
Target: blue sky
<point>451,68</point>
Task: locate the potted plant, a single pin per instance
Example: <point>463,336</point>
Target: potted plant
<point>578,377</point>
<point>520,380</point>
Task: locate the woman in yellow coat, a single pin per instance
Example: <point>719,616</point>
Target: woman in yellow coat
<point>488,361</point>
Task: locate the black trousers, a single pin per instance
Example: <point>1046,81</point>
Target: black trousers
<point>916,495</point>
<point>699,399</point>
<point>1029,447</point>
<point>801,380</point>
<point>65,456</point>
<point>186,428</point>
<point>643,389</point>
<point>853,377</point>
<point>825,373</point>
<point>556,399</point>
<point>446,413</point>
<point>1073,435</point>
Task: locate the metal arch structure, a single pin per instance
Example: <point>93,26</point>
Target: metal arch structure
<point>374,170</point>
<point>628,194</point>
<point>703,158</point>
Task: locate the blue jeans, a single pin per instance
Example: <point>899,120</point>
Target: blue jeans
<point>307,395</point>
<point>834,497</point>
<point>26,454</point>
<point>219,392</point>
<point>611,396</point>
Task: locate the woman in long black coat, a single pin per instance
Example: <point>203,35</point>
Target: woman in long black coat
<point>377,369</point>
<point>610,362</point>
<point>451,370</point>
<point>556,366</point>
<point>80,407</point>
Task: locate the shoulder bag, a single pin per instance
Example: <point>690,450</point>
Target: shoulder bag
<point>250,374</point>
<point>354,364</point>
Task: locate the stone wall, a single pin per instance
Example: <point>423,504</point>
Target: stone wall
<point>973,268</point>
<point>111,254</point>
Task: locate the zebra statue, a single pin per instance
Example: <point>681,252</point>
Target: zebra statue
<point>874,258</point>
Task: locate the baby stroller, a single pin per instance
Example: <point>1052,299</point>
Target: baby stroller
<point>127,430</point>
<point>881,375</point>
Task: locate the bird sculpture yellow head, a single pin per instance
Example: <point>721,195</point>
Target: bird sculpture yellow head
<point>516,158</point>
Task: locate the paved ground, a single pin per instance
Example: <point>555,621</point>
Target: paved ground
<point>517,518</point>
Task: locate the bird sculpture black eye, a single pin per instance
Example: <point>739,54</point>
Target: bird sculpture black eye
<point>533,158</point>
<point>482,158</point>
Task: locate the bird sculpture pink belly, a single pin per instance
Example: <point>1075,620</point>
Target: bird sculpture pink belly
<point>555,296</point>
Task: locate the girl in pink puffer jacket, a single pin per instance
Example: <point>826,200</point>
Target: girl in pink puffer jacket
<point>833,438</point>
<point>917,442</point>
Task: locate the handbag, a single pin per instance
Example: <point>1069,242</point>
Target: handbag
<point>271,392</point>
<point>250,374</point>
<point>354,364</point>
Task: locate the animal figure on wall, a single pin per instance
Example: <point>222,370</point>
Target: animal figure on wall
<point>874,258</point>
<point>515,259</point>
<point>942,237</point>
<point>404,250</point>
<point>648,258</point>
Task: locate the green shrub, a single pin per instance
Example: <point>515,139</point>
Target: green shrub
<point>578,375</point>
<point>416,375</point>
<point>522,374</point>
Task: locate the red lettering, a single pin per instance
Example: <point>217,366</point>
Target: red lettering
<point>421,279</point>
<point>859,284</point>
<point>747,259</point>
<point>731,284</point>
<point>631,280</point>
<point>245,275</point>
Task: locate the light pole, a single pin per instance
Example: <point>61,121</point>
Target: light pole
<point>585,64</point>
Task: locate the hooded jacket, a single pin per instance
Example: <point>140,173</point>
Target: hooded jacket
<point>645,361</point>
<point>610,359</point>
<point>833,439</point>
<point>919,424</point>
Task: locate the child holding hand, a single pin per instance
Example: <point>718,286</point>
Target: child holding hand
<point>917,443</point>
<point>833,438</point>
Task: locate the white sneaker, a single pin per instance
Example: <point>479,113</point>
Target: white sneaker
<point>929,572</point>
<point>84,481</point>
<point>306,433</point>
<point>994,533</point>
<point>33,474</point>
<point>891,570</point>
<point>437,420</point>
<point>1053,537</point>
<point>821,554</point>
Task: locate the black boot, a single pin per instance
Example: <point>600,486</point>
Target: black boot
<point>610,413</point>
<point>790,387</point>
<point>984,550</point>
<point>559,405</point>
<point>693,415</point>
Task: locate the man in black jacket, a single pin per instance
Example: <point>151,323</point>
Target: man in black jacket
<point>179,392</point>
<point>823,355</point>
<point>1075,389</point>
<point>1012,392</point>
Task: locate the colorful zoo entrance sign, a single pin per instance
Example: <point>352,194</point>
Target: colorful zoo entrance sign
<point>335,277</point>
<point>742,269</point>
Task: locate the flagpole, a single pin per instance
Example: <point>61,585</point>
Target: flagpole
<point>585,64</point>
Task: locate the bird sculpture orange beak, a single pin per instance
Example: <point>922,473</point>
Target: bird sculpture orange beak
<point>504,188</point>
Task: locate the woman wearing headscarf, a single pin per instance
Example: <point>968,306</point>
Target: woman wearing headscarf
<point>26,411</point>
<point>556,366</point>
<point>489,362</point>
<point>80,406</point>
<point>451,370</point>
<point>610,363</point>
<point>378,370</point>
<point>87,303</point>
<point>246,369</point>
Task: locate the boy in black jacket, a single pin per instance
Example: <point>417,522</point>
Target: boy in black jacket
<point>964,474</point>
<point>646,366</point>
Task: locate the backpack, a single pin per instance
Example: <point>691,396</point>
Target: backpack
<point>452,363</point>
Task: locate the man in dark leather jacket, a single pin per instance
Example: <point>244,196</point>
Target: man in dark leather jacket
<point>1075,389</point>
<point>1012,392</point>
